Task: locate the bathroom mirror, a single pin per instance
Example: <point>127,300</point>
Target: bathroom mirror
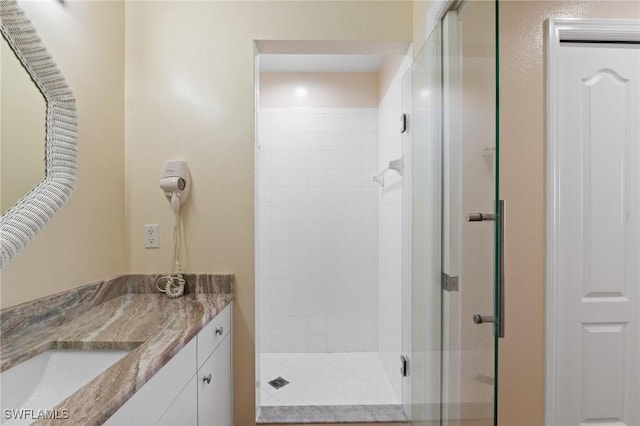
<point>21,222</point>
<point>22,142</point>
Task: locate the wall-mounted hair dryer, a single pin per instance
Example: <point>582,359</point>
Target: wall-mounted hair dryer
<point>176,183</point>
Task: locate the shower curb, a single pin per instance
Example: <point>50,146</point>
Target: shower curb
<point>319,414</point>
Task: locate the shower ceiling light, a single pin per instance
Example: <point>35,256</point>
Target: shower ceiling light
<point>301,92</point>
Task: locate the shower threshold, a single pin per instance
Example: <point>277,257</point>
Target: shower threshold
<point>319,414</point>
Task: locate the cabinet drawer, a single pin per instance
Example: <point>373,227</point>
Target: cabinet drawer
<point>213,333</point>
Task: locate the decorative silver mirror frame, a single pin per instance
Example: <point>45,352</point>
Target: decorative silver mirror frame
<point>20,224</point>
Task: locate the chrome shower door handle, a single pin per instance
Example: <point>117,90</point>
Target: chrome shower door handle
<point>502,218</point>
<point>481,319</point>
<point>500,309</point>
<point>480,217</point>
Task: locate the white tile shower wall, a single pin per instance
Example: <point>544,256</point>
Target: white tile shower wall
<point>318,225</point>
<point>390,232</point>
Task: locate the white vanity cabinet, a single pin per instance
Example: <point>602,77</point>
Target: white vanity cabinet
<point>193,388</point>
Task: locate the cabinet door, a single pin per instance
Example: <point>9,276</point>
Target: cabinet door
<point>143,408</point>
<point>184,409</point>
<point>214,396</point>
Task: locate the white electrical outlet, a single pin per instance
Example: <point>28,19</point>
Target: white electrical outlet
<point>151,236</point>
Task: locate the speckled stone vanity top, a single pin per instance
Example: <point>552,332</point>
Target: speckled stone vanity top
<point>121,313</point>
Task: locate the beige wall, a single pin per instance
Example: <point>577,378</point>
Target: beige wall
<point>420,12</point>
<point>388,70</point>
<point>84,242</point>
<point>521,376</point>
<point>190,95</point>
<point>329,89</point>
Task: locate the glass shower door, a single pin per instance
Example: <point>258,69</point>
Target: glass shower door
<point>450,300</point>
<point>470,214</point>
<point>422,153</point>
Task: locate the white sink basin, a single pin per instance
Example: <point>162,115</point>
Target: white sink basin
<point>45,380</point>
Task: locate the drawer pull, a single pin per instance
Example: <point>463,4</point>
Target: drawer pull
<point>207,379</point>
<point>220,330</point>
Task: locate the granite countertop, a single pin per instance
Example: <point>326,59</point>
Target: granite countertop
<point>123,313</point>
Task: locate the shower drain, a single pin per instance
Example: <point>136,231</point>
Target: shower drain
<point>278,382</point>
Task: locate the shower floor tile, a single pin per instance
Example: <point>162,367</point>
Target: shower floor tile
<point>350,378</point>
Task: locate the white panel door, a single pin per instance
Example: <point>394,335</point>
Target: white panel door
<point>598,235</point>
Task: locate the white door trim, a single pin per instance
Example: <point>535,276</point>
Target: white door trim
<point>564,29</point>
